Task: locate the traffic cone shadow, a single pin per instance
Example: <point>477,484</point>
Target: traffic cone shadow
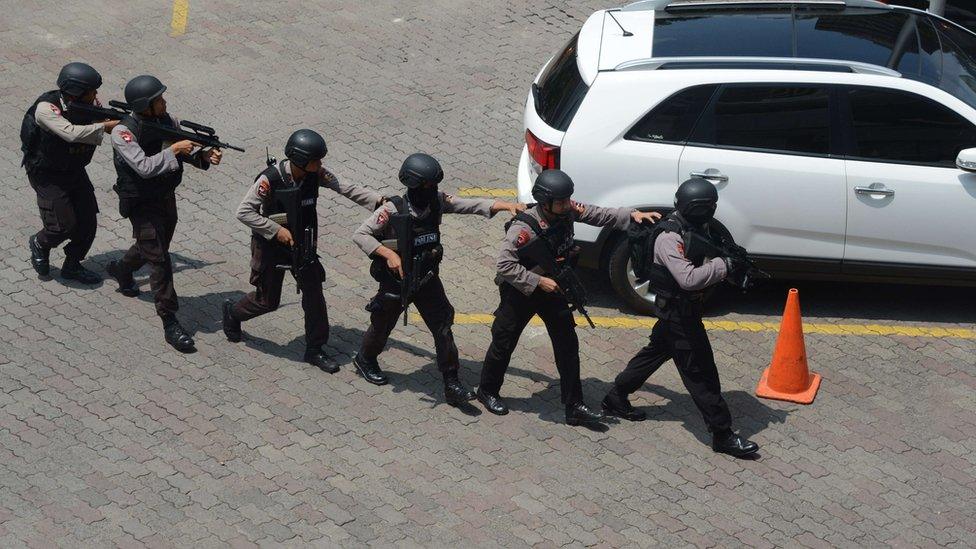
<point>787,377</point>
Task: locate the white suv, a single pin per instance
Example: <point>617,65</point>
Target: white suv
<point>836,132</point>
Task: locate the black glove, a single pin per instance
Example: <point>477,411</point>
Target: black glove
<point>737,269</point>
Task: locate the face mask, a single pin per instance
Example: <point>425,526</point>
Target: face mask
<point>699,214</point>
<point>421,197</point>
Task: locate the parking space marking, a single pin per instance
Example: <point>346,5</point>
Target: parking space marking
<point>639,323</point>
<point>492,192</point>
<point>181,10</point>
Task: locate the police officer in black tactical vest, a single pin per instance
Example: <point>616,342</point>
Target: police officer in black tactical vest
<point>526,290</point>
<point>149,171</point>
<point>417,217</point>
<point>280,210</point>
<point>679,284</point>
<point>58,142</point>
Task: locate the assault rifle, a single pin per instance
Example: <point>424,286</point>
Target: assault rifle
<point>198,133</point>
<point>418,268</point>
<point>698,246</point>
<point>303,254</point>
<point>539,252</point>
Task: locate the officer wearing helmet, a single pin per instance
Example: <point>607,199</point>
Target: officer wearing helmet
<point>425,205</point>
<point>148,171</point>
<point>271,240</point>
<point>58,144</point>
<point>526,291</point>
<point>679,334</point>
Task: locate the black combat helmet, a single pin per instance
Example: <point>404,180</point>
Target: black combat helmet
<point>305,146</point>
<point>141,90</point>
<point>552,185</point>
<point>75,79</point>
<point>420,168</point>
<point>696,200</point>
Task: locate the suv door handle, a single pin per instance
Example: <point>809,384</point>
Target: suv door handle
<point>875,188</point>
<point>711,175</point>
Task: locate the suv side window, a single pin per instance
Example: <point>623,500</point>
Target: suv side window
<point>778,118</point>
<point>902,127</point>
<point>672,120</point>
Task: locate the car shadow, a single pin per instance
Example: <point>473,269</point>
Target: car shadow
<point>854,301</point>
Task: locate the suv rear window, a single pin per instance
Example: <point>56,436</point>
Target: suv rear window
<point>560,89</point>
<point>674,118</point>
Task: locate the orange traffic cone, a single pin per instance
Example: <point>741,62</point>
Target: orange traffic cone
<point>787,377</point>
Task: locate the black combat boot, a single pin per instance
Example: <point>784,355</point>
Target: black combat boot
<point>40,256</point>
<point>317,358</point>
<point>579,413</point>
<point>72,270</point>
<point>727,442</point>
<point>370,370</point>
<point>616,404</point>
<point>232,327</point>
<point>493,403</point>
<point>127,286</point>
<point>177,336</point>
<point>455,393</point>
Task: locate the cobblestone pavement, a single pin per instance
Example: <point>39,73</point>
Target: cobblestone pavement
<point>109,437</point>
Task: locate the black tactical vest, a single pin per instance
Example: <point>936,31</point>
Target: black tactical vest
<point>426,231</point>
<point>287,198</point>
<point>661,281</point>
<point>559,236</point>
<point>48,152</point>
<point>129,184</point>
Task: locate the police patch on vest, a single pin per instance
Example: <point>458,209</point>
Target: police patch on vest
<point>429,238</point>
<point>308,202</point>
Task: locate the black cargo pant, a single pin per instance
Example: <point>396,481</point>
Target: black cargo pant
<point>682,337</point>
<point>434,307</point>
<point>153,224</point>
<point>268,279</point>
<point>511,317</point>
<point>68,209</point>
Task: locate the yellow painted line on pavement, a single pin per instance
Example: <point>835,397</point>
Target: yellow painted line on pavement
<point>492,192</point>
<point>636,323</point>
<point>181,10</point>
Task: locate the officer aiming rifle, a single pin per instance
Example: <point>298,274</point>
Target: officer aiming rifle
<point>205,136</point>
<point>742,270</point>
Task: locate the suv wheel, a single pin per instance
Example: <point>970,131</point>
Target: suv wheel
<point>624,281</point>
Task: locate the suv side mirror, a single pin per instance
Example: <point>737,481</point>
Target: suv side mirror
<point>966,160</point>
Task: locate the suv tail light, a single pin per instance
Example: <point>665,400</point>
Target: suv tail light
<point>544,156</point>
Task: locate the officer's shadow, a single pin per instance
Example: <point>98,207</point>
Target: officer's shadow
<point>750,415</point>
<point>99,264</point>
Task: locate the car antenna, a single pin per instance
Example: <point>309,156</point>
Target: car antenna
<point>626,32</point>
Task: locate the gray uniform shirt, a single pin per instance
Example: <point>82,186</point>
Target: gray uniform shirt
<point>376,226</point>
<point>249,212</point>
<point>519,234</point>
<point>669,250</point>
<point>49,116</point>
<point>124,142</point>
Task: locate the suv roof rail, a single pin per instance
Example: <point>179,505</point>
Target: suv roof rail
<point>761,63</point>
<point>689,5</point>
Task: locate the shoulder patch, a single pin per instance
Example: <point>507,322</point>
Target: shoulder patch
<point>126,136</point>
<point>681,248</point>
<point>264,188</point>
<point>55,109</point>
<point>382,217</point>
<point>523,238</point>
